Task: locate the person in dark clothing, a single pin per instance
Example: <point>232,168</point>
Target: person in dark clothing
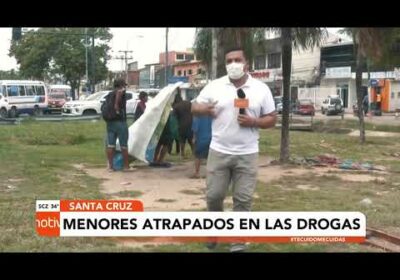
<point>365,104</point>
<point>201,128</point>
<point>182,109</point>
<point>165,141</point>
<point>174,124</point>
<point>141,106</point>
<point>118,128</point>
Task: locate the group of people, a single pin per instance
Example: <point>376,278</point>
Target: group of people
<point>180,127</point>
<point>236,106</point>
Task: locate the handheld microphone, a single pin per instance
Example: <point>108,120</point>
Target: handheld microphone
<point>241,95</point>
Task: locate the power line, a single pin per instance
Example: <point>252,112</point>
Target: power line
<point>126,61</point>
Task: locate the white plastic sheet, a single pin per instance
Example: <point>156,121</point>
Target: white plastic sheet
<point>145,133</point>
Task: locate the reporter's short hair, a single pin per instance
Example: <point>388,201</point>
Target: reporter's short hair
<point>234,49</point>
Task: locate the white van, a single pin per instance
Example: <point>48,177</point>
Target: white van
<point>24,96</point>
<point>4,107</point>
<point>333,105</point>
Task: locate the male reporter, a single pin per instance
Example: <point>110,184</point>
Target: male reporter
<point>239,105</point>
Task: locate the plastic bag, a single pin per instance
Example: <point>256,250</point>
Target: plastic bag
<point>118,161</point>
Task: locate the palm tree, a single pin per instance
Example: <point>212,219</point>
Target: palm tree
<point>247,38</point>
<point>369,43</point>
<point>298,38</point>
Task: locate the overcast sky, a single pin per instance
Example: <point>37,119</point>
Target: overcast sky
<point>146,44</point>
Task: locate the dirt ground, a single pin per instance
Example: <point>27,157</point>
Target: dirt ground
<point>368,133</point>
<point>171,189</point>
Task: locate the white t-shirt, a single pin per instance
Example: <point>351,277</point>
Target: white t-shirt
<point>228,136</point>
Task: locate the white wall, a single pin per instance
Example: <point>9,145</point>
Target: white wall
<point>352,94</point>
<point>305,62</point>
<point>394,103</point>
<point>316,94</point>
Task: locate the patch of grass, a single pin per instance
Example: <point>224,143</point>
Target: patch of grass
<point>333,195</point>
<point>42,155</point>
<point>25,153</point>
<point>263,248</point>
<point>340,126</point>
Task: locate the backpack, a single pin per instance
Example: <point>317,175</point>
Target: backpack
<point>107,108</point>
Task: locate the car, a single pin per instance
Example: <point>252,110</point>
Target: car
<point>305,107</point>
<point>333,105</point>
<point>4,107</point>
<point>278,104</point>
<point>92,104</point>
<point>55,102</point>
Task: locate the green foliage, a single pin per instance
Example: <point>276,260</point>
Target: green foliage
<point>379,46</point>
<point>11,75</point>
<point>202,44</point>
<point>48,52</point>
<point>248,38</point>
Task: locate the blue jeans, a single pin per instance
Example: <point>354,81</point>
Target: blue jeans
<point>117,129</point>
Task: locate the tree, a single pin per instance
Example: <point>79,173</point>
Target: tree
<point>298,38</point>
<point>370,45</point>
<point>203,46</point>
<point>11,75</point>
<point>247,38</point>
<point>48,52</point>
<point>16,33</point>
<point>286,43</point>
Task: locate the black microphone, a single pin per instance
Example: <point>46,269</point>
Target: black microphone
<point>241,95</point>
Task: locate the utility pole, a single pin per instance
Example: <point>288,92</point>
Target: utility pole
<point>126,63</point>
<point>166,56</point>
<point>120,58</point>
<point>86,52</point>
<point>93,64</point>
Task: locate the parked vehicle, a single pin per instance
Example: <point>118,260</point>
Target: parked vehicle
<point>333,105</point>
<point>304,107</point>
<point>24,96</point>
<point>58,95</point>
<point>92,104</point>
<point>4,107</point>
<point>278,104</point>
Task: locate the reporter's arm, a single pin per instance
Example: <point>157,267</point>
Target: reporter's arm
<point>204,109</point>
<point>266,121</point>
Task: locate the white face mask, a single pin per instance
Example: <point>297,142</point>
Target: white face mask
<point>235,70</point>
